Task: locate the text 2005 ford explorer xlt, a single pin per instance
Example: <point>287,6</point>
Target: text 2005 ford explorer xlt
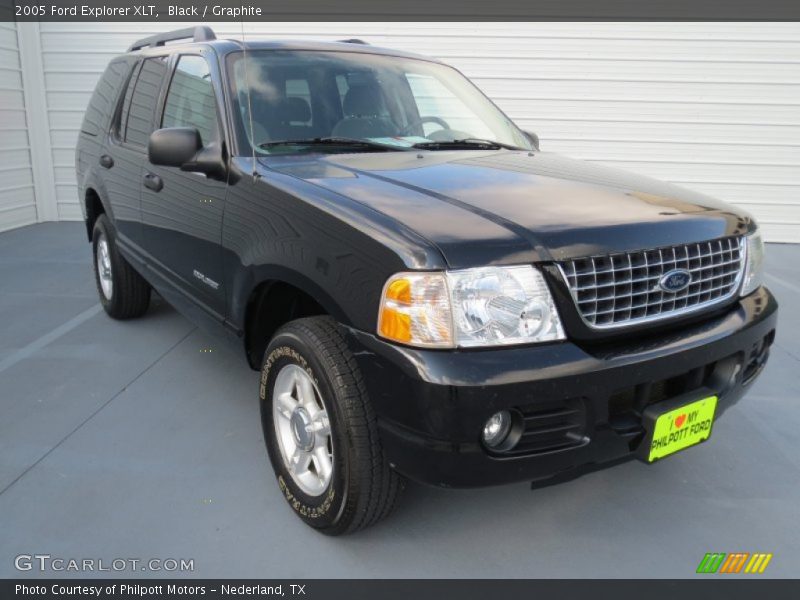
<point>426,294</point>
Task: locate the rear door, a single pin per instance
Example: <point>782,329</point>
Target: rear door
<point>125,154</point>
<point>182,211</point>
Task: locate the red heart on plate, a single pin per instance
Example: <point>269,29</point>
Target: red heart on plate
<point>679,421</point>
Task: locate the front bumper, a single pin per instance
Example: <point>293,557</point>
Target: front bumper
<point>581,405</point>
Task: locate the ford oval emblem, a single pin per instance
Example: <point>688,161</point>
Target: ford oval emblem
<point>676,280</point>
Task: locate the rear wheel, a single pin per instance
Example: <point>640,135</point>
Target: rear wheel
<point>321,432</point>
<point>123,293</point>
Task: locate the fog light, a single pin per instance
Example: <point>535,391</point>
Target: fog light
<point>497,428</point>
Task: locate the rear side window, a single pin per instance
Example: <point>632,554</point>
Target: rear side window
<point>104,98</point>
<point>190,100</point>
<point>140,104</point>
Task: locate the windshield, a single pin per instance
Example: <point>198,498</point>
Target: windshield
<point>387,101</point>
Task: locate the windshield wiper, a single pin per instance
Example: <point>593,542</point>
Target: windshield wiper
<point>465,143</point>
<point>332,141</point>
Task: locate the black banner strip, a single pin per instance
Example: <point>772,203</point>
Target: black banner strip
<point>707,588</point>
<point>399,10</point>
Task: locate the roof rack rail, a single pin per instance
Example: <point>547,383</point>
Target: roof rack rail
<point>353,41</point>
<point>201,33</point>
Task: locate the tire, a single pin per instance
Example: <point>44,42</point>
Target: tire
<point>123,293</point>
<point>361,488</point>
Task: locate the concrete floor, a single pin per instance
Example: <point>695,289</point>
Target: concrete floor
<point>126,440</point>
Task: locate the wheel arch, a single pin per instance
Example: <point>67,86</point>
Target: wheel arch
<point>94,207</point>
<point>276,298</point>
<point>94,202</point>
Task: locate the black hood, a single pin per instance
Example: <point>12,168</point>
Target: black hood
<point>507,207</point>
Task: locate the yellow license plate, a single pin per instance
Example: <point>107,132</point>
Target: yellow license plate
<point>682,427</point>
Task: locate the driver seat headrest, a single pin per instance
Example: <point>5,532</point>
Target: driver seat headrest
<point>363,101</point>
<point>294,109</point>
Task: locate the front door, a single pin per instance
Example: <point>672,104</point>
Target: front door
<point>182,211</point>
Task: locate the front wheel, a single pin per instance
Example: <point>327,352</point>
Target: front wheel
<point>320,430</point>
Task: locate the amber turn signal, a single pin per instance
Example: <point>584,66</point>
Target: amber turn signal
<point>415,310</point>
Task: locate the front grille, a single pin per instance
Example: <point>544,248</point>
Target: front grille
<point>623,289</point>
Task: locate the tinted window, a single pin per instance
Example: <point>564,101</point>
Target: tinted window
<point>142,101</point>
<point>122,118</point>
<point>190,100</point>
<point>104,97</point>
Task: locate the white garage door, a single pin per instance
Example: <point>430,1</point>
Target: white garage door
<point>17,200</point>
<point>712,106</point>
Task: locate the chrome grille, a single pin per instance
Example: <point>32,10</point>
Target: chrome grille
<point>623,289</point>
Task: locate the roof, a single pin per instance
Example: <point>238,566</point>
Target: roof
<point>203,35</point>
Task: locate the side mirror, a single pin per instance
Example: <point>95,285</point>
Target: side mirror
<point>182,147</point>
<point>209,160</point>
<point>532,138</point>
<point>173,146</point>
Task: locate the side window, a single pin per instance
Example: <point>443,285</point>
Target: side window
<point>104,97</point>
<point>190,100</point>
<point>120,120</point>
<point>140,104</point>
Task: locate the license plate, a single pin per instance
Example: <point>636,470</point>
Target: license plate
<point>682,427</point>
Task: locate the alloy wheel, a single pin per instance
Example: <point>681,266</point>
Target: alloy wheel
<point>104,267</point>
<point>303,429</point>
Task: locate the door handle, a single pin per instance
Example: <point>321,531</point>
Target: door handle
<point>153,182</point>
<point>106,161</point>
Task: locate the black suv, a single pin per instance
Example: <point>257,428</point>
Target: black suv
<point>426,294</point>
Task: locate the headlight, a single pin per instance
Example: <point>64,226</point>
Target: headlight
<point>754,266</point>
<point>489,306</point>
